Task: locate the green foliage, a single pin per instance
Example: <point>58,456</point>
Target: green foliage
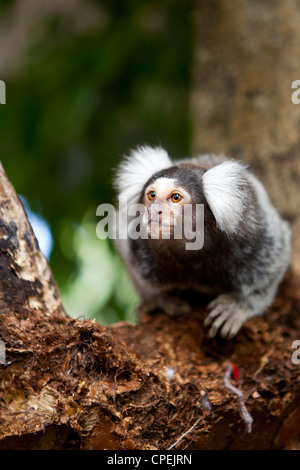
<point>79,102</point>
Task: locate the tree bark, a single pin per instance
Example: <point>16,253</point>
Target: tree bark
<point>246,59</point>
<point>71,384</point>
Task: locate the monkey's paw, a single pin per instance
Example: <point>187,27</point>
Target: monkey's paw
<point>175,307</point>
<point>226,315</point>
<point>172,306</point>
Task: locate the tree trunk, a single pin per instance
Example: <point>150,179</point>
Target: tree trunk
<point>246,59</point>
<point>68,384</point>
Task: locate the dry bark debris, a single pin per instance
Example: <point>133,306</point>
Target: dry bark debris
<point>156,385</point>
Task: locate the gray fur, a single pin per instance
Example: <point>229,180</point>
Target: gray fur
<point>246,250</point>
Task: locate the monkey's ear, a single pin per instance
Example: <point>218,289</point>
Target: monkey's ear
<point>137,168</point>
<point>226,188</point>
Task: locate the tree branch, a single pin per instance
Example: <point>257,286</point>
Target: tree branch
<point>73,384</point>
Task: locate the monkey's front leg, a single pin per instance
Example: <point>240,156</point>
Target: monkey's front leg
<point>171,304</point>
<point>228,312</point>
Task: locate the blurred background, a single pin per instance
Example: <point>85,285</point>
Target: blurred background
<point>85,82</point>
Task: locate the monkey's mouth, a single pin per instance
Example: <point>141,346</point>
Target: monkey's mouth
<point>159,223</point>
<point>158,227</point>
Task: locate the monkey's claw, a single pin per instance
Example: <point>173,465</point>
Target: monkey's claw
<point>225,315</point>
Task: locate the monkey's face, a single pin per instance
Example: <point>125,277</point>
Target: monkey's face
<point>164,200</point>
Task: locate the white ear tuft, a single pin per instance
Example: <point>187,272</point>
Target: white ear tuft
<point>137,168</point>
<point>225,187</point>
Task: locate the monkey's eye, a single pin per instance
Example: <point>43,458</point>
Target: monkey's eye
<point>151,195</point>
<point>176,197</point>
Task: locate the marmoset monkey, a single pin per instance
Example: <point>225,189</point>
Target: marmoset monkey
<point>244,249</point>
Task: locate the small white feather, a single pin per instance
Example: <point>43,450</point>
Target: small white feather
<point>224,188</point>
<point>137,168</point>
